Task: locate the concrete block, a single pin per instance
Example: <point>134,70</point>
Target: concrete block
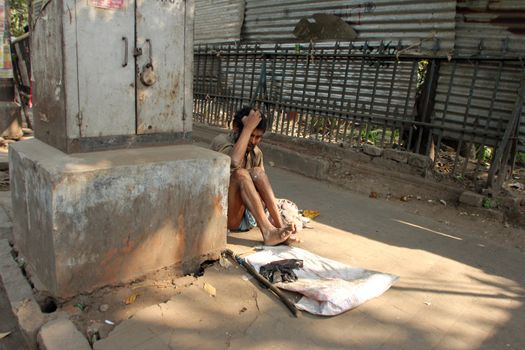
<point>391,164</point>
<point>6,233</point>
<point>372,150</point>
<point>398,156</point>
<point>5,219</point>
<point>471,198</point>
<point>88,220</point>
<point>23,304</point>
<point>512,203</point>
<point>316,168</point>
<point>61,334</point>
<point>359,157</point>
<point>419,161</point>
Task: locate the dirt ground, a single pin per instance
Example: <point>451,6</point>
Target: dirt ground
<point>96,314</point>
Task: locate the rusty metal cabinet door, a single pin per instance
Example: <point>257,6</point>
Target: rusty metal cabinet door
<point>106,82</point>
<point>160,35</point>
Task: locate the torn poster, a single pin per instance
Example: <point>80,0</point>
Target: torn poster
<point>328,287</point>
<point>108,4</point>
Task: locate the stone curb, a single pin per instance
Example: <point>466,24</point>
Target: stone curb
<point>23,304</point>
<point>61,334</point>
<point>318,168</point>
<point>40,331</point>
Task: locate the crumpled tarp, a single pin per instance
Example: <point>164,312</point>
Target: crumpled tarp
<point>328,287</point>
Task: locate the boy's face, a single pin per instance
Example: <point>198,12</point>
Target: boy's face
<point>255,139</point>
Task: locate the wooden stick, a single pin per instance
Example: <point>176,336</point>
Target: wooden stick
<point>263,281</point>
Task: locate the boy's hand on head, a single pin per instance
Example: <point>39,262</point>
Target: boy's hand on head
<point>252,120</point>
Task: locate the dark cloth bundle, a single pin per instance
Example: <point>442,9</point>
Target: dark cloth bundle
<point>281,270</point>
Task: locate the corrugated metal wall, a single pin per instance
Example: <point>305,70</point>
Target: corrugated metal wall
<point>411,21</point>
<point>484,28</point>
<point>218,20</point>
<point>36,7</point>
<point>499,23</point>
<point>479,96</point>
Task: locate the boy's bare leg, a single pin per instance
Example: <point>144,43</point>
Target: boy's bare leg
<point>241,184</point>
<point>262,184</point>
<point>236,206</point>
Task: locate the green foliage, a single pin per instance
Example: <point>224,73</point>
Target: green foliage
<point>421,73</point>
<point>374,136</point>
<point>489,203</point>
<point>322,125</point>
<point>487,154</point>
<point>520,158</point>
<point>18,16</point>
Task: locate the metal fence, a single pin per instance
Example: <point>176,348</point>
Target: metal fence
<point>464,113</point>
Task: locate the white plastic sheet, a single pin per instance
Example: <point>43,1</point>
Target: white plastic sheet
<point>328,287</point>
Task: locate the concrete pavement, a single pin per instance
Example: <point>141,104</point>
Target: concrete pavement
<point>8,321</point>
<point>457,290</point>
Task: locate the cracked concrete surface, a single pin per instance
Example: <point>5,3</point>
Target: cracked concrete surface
<point>457,290</point>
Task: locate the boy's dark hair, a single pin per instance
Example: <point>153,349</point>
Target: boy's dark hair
<point>244,112</point>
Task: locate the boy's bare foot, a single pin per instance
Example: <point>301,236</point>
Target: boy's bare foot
<point>293,239</point>
<point>274,236</point>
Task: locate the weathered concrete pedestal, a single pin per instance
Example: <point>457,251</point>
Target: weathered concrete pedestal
<point>93,219</point>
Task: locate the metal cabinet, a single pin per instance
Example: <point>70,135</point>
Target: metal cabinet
<point>113,73</point>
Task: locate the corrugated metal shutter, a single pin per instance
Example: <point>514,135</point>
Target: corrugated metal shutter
<point>492,21</point>
<point>487,109</point>
<point>411,21</point>
<point>218,21</point>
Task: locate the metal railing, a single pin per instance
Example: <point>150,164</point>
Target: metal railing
<point>463,113</point>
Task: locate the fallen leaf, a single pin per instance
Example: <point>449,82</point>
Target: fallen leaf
<point>210,289</point>
<point>310,214</point>
<point>131,299</point>
<point>373,194</point>
<point>3,335</point>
